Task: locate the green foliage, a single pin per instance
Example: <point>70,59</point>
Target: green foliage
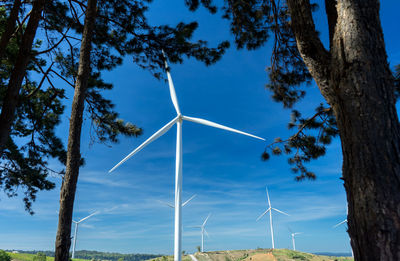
<point>198,248</point>
<point>4,256</point>
<point>32,140</point>
<point>39,257</point>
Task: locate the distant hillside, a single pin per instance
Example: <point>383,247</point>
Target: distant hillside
<point>257,255</point>
<point>86,254</point>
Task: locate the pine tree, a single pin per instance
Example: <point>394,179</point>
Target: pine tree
<point>32,140</point>
<point>354,77</point>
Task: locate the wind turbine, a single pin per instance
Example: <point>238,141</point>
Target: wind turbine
<point>178,161</point>
<point>76,231</point>
<point>293,234</point>
<point>203,231</point>
<point>270,208</point>
<point>345,221</point>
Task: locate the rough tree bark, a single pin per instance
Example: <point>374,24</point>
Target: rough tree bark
<point>10,27</point>
<point>360,89</point>
<point>68,188</point>
<point>11,99</point>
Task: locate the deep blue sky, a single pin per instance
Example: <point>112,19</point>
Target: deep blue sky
<point>223,169</point>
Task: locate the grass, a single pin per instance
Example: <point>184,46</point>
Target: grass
<point>29,257</point>
<point>169,258</point>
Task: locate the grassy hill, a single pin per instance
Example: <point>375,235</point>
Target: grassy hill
<point>257,255</point>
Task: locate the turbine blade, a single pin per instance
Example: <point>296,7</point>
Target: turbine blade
<point>171,86</point>
<point>263,214</point>
<point>83,219</point>
<point>205,231</point>
<point>187,201</point>
<point>281,212</point>
<point>152,138</point>
<point>219,126</point>
<point>338,224</point>
<point>166,203</point>
<point>205,221</point>
<point>269,202</point>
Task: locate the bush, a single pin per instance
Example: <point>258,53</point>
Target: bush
<point>39,257</point>
<point>4,256</point>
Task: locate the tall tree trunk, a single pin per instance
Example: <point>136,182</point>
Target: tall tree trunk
<point>68,188</point>
<point>361,92</point>
<point>11,99</point>
<point>10,27</point>
<point>369,131</point>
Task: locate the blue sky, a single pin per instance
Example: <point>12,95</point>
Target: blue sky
<point>224,169</point>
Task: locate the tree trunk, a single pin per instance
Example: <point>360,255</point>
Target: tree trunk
<point>10,27</point>
<point>361,92</point>
<point>11,99</point>
<point>369,130</point>
<point>68,188</point>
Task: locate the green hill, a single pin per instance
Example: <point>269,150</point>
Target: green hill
<point>83,255</point>
<point>257,255</point>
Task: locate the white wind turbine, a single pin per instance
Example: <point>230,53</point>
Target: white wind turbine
<point>345,221</point>
<point>270,208</point>
<point>76,231</point>
<point>178,162</point>
<point>293,234</point>
<point>203,231</point>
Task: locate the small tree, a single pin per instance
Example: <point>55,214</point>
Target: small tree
<point>39,257</point>
<point>198,248</point>
<point>4,256</point>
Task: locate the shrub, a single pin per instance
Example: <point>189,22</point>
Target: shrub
<point>39,257</point>
<point>4,256</point>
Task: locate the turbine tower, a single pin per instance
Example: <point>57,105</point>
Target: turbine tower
<point>270,208</point>
<point>203,231</point>
<point>178,162</point>
<point>76,231</point>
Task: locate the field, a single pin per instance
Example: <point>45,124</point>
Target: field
<point>257,255</point>
<point>29,257</point>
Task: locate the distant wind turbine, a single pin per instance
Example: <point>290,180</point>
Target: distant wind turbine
<point>270,208</point>
<point>178,161</point>
<point>76,230</point>
<point>293,234</point>
<point>203,231</point>
<point>345,221</point>
<point>183,204</point>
